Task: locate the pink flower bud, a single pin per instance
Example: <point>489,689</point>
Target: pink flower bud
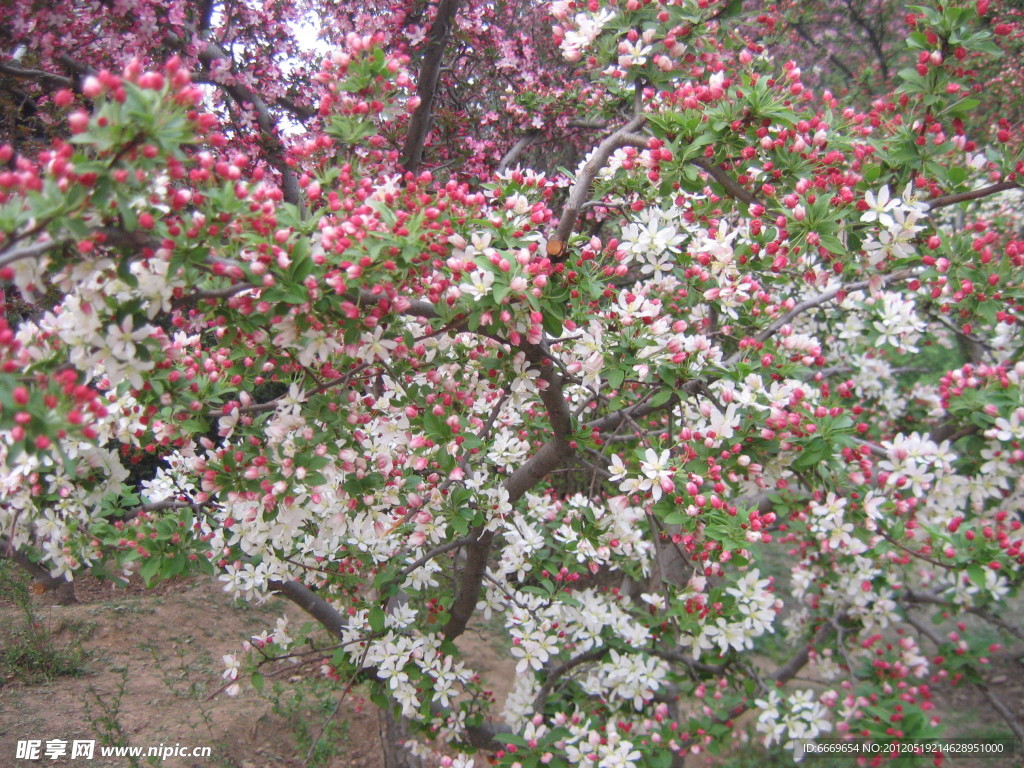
<point>92,87</point>
<point>78,122</point>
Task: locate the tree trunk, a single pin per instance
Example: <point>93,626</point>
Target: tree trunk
<point>63,590</point>
<point>394,730</point>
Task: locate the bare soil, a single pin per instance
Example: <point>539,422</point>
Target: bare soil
<point>152,670</point>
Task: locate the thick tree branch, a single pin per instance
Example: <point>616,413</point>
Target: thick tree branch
<point>204,14</point>
<point>551,395</point>
<point>517,149</point>
<point>551,455</point>
<point>309,601</point>
<point>75,66</point>
<point>426,86</point>
<point>536,468</point>
<point>301,112</point>
<point>581,189</point>
<point>242,95</point>
<point>470,580</point>
<point>46,79</point>
<point>481,737</point>
<point>799,660</point>
<point>29,251</point>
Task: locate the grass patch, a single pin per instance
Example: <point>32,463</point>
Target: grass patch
<point>311,710</point>
<point>34,650</point>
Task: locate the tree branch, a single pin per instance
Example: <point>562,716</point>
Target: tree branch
<point>45,79</point>
<point>402,305</point>
<point>787,671</point>
<point>799,660</point>
<point>974,194</point>
<point>472,577</point>
<point>264,119</point>
<point>333,621</point>
<point>641,409</point>
<point>535,469</point>
<point>517,149</point>
<point>733,187</point>
<point>204,12</point>
<point>29,251</point>
<point>823,298</point>
<point>876,44</point>
<point>581,189</point>
<point>554,675</point>
<point>481,737</point>
<point>929,598</point>
<point>448,546</point>
<point>426,87</point>
<point>994,701</point>
<point>63,588</point>
<point>637,411</point>
<point>836,61</point>
<point>1011,719</point>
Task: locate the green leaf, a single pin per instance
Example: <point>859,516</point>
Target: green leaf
<point>730,10</point>
<point>661,398</point>
<point>976,573</point>
<point>833,244</point>
<point>511,738</point>
<point>553,325</point>
<point>195,426</point>
<point>614,378</point>
<point>435,426</point>
<point>176,566</point>
<point>302,265</point>
<point>376,619</point>
<point>957,175</point>
<point>965,105</point>
<point>150,568</point>
<point>813,452</point>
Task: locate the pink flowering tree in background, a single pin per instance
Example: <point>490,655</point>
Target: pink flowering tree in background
<point>612,333</point>
<point>856,48</point>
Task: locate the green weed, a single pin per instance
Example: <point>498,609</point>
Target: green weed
<point>31,648</point>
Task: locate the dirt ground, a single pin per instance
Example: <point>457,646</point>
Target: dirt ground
<point>152,671</point>
<point>165,647</point>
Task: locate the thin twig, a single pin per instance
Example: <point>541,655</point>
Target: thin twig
<point>974,194</point>
<point>994,701</point>
<point>555,674</point>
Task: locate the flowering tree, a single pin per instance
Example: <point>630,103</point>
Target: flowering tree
<point>339,327</point>
<point>857,48</point>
